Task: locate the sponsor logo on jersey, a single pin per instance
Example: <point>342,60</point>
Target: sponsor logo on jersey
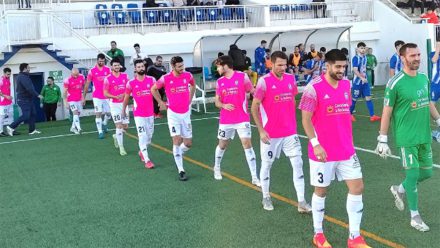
<point>414,105</point>
<point>330,109</point>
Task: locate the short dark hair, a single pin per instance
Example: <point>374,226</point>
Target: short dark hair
<point>113,42</point>
<point>277,54</point>
<point>244,52</point>
<point>398,43</point>
<point>402,50</point>
<point>267,50</point>
<point>100,56</point>
<point>115,60</point>
<point>158,57</point>
<point>344,50</point>
<point>284,49</point>
<point>225,60</point>
<point>136,45</point>
<point>432,7</point>
<point>23,66</point>
<point>220,54</point>
<point>175,60</point>
<point>323,49</point>
<point>51,78</point>
<point>263,42</point>
<point>335,55</point>
<point>6,70</point>
<point>137,61</point>
<point>361,44</point>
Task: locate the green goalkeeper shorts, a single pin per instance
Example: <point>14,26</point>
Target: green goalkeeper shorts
<point>419,156</point>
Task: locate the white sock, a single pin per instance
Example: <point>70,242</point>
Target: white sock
<point>143,146</point>
<point>401,189</point>
<point>355,208</point>
<point>414,213</point>
<point>252,161</point>
<point>120,136</point>
<point>318,210</point>
<point>106,118</point>
<point>265,177</point>
<point>76,122</point>
<point>298,177</point>
<point>178,157</point>
<point>2,118</point>
<point>73,125</point>
<point>99,124</point>
<point>183,148</point>
<point>218,156</point>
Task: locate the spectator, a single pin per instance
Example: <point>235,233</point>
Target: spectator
<point>178,3</point>
<point>151,4</point>
<point>157,70</point>
<point>252,75</point>
<point>320,4</point>
<point>295,58</point>
<point>116,53</point>
<point>21,4</point>
<point>137,54</point>
<point>284,50</point>
<point>268,62</point>
<point>232,2</point>
<point>148,62</point>
<point>260,54</point>
<point>431,15</point>
<point>412,4</point>
<point>323,50</point>
<point>51,96</point>
<point>193,3</point>
<point>371,65</point>
<point>312,68</point>
<point>25,94</point>
<point>214,71</point>
<point>237,57</point>
<point>312,52</point>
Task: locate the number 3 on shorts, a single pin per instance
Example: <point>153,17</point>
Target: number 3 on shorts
<point>320,177</point>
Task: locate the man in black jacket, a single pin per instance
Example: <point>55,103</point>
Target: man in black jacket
<point>157,70</point>
<point>25,94</point>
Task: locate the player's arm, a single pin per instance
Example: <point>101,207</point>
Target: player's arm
<point>434,113</point>
<point>86,87</point>
<point>4,95</point>
<point>125,104</point>
<point>318,150</point>
<point>156,95</point>
<point>255,110</point>
<point>65,96</point>
<point>192,91</point>
<point>382,148</point>
<point>393,63</point>
<point>358,74</point>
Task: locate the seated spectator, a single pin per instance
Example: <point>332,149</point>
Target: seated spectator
<point>193,3</point>
<point>237,57</point>
<point>295,62</point>
<point>232,2</point>
<point>214,71</point>
<point>178,3</point>
<point>414,3</point>
<point>431,15</point>
<point>151,4</point>
<point>312,68</point>
<point>206,2</point>
<point>312,52</point>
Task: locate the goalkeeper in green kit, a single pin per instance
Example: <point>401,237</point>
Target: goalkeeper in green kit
<point>407,104</point>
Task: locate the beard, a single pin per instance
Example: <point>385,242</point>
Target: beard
<point>336,76</point>
<point>414,65</point>
<point>141,72</point>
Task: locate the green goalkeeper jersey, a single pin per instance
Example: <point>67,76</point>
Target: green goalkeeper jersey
<point>409,97</point>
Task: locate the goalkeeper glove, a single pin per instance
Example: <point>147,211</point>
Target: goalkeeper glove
<point>382,148</point>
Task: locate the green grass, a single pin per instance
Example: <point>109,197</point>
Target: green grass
<point>76,191</point>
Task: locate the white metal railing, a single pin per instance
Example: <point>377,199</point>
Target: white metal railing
<point>31,4</point>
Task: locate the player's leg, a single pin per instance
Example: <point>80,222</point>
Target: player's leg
<point>350,171</point>
<point>107,114</point>
<point>97,103</point>
<point>175,128</point>
<point>3,114</point>
<point>268,153</point>
<point>118,137</point>
<point>223,136</point>
<point>245,134</point>
<point>292,149</point>
<point>75,107</point>
<point>355,94</point>
<point>145,129</point>
<point>366,92</point>
<point>321,175</point>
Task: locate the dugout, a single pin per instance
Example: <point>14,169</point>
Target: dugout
<point>322,35</point>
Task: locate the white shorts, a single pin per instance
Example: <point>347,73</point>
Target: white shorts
<point>180,124</point>
<point>6,110</point>
<point>75,106</point>
<point>290,145</point>
<point>101,105</point>
<point>321,174</point>
<point>227,131</point>
<point>116,112</point>
<point>145,126</point>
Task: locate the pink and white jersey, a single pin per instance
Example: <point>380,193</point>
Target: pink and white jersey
<point>177,90</point>
<point>233,91</point>
<point>277,109</point>
<point>5,89</point>
<point>116,85</point>
<point>97,76</point>
<point>142,97</point>
<point>74,88</point>
<point>331,117</point>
